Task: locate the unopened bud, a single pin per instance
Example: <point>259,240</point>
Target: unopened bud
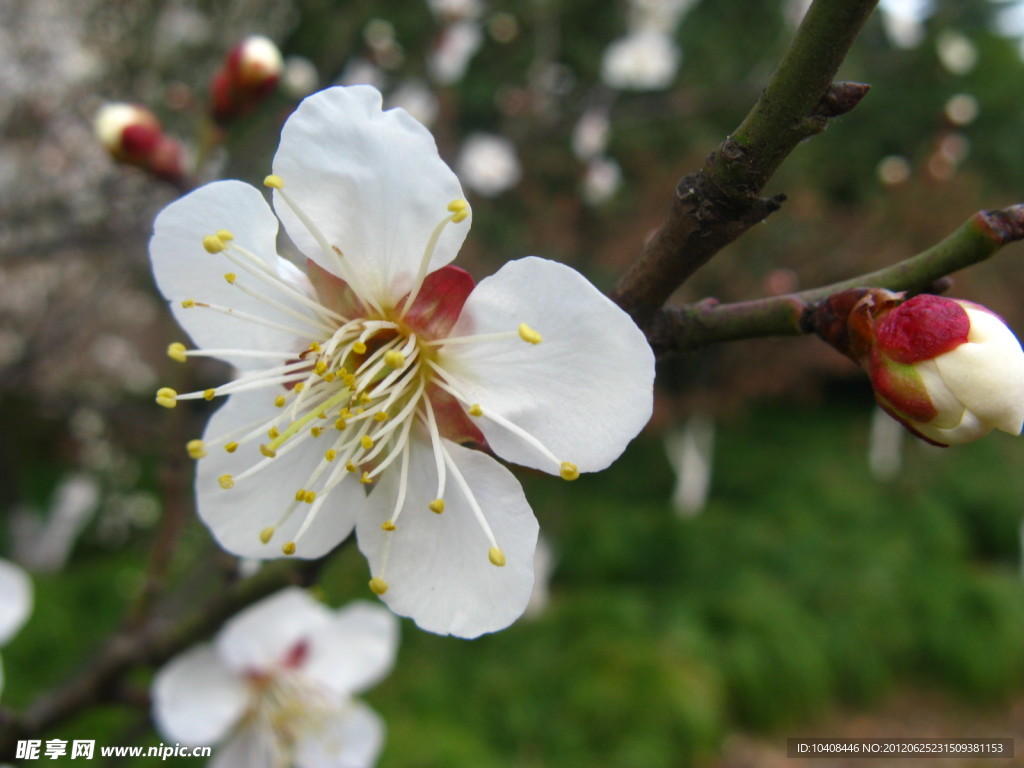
<point>248,75</point>
<point>133,135</point>
<point>949,370</point>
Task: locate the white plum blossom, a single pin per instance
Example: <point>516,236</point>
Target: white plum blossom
<point>488,164</point>
<point>645,60</point>
<point>275,688</point>
<point>15,603</point>
<point>601,180</point>
<point>362,379</point>
<point>455,46</point>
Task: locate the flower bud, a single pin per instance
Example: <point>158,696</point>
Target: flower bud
<point>133,135</point>
<point>248,75</point>
<point>949,370</point>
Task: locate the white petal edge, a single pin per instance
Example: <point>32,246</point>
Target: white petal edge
<point>968,430</point>
<point>355,650</point>
<point>197,699</point>
<point>183,269</point>
<point>437,566</point>
<point>250,747</point>
<point>585,391</point>
<point>353,739</point>
<point>987,372</point>
<point>263,636</point>
<point>15,599</point>
<point>374,185</point>
<point>237,515</point>
<point>949,409</point>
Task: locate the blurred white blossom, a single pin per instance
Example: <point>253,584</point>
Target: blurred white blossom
<point>15,603</point>
<point>457,44</point>
<point>276,685</point>
<point>488,164</point>
<point>646,60</point>
<point>601,181</point>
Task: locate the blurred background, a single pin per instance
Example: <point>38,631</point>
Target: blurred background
<point>768,560</point>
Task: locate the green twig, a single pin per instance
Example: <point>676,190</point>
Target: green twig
<point>708,322</point>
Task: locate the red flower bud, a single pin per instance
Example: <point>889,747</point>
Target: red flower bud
<point>248,75</point>
<point>133,135</point>
<point>949,370</point>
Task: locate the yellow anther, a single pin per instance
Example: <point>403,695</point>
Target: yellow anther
<point>188,303</point>
<point>364,398</point>
<point>166,397</point>
<point>230,277</point>
<point>436,506</point>
<point>300,386</point>
<point>526,333</point>
<point>476,410</point>
<point>366,441</point>
<point>273,181</point>
<point>209,394</point>
<point>349,379</point>
<point>213,244</point>
<point>359,348</point>
<point>394,358</point>
<point>273,433</point>
<point>320,367</point>
<point>231,447</point>
<point>267,451</point>
<point>225,235</point>
<point>569,471</point>
<point>387,525</point>
<point>340,424</point>
<point>267,534</point>
<point>314,346</point>
<point>226,481</point>
<point>330,454</point>
<point>300,494</point>
<point>309,497</point>
<point>316,431</point>
<point>460,209</point>
<point>366,479</point>
<point>346,413</point>
<point>496,556</point>
<point>360,410</point>
<point>380,416</point>
<point>329,377</point>
<point>350,466</point>
<point>288,548</point>
<point>378,585</point>
<point>195,449</point>
<point>176,351</point>
<point>279,401</point>
<point>321,414</point>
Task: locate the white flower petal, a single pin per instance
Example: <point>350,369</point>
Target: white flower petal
<point>987,373</point>
<point>351,740</point>
<point>372,182</point>
<point>437,566</point>
<point>585,391</point>
<point>184,270</point>
<point>355,650</point>
<point>236,516</point>
<point>950,409</point>
<point>969,429</point>
<point>265,635</point>
<point>196,698</point>
<point>250,747</point>
<point>15,599</point>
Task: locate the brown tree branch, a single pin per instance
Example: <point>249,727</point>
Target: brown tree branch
<point>981,236</point>
<point>720,202</point>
